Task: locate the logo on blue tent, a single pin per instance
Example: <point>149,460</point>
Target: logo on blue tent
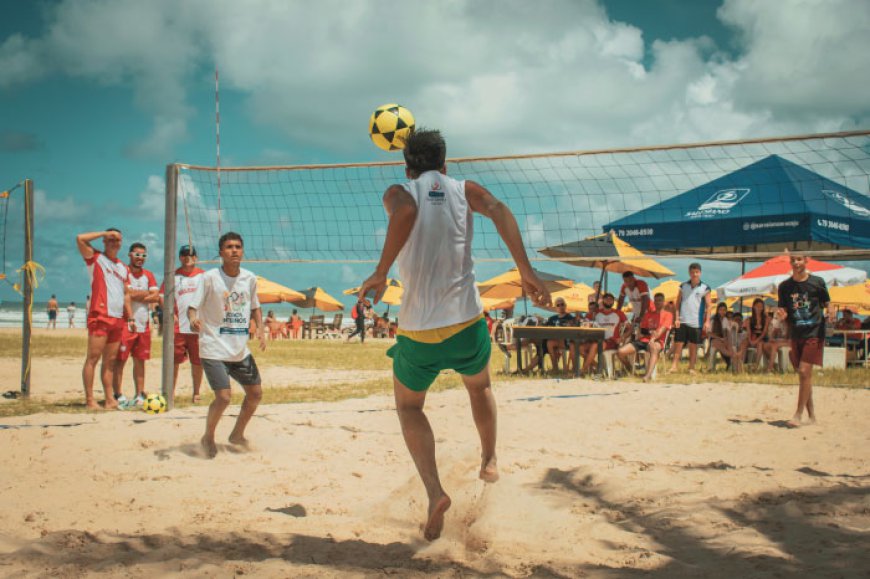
<point>720,203</point>
<point>847,203</point>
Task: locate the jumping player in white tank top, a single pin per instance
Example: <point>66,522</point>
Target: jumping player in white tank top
<point>441,325</point>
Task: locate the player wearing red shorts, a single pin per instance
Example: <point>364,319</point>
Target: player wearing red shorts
<point>108,312</point>
<point>188,279</point>
<point>143,292</point>
<point>803,299</point>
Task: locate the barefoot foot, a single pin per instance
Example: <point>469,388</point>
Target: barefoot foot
<point>239,441</point>
<point>433,527</point>
<point>489,470</point>
<point>208,446</point>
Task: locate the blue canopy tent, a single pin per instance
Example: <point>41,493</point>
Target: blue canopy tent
<point>763,207</point>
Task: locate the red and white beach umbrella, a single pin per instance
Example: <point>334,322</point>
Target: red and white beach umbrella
<point>765,279</point>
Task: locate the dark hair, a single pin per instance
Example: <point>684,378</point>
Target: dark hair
<point>425,150</point>
<point>610,295</point>
<point>114,229</point>
<point>659,294</point>
<point>135,245</point>
<point>229,236</point>
<point>695,265</point>
<point>753,318</point>
<point>627,274</point>
<point>717,321</point>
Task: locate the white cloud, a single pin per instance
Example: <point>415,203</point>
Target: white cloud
<point>68,209</point>
<point>497,76</point>
<point>152,200</point>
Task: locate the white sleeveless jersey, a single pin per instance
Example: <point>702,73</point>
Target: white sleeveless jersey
<point>435,264</point>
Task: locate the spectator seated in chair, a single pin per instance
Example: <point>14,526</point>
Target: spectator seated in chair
<point>653,332</point>
<point>612,321</point>
<point>557,347</point>
<point>777,338</point>
<point>722,338</point>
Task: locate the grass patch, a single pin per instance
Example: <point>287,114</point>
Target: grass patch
<point>43,345</point>
<point>333,354</point>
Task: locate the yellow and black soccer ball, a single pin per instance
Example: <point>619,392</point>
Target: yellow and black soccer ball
<point>390,126</point>
<point>154,404</point>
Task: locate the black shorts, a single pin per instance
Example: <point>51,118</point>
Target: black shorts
<point>688,335</point>
<point>640,346</point>
<point>52,315</point>
<point>218,372</point>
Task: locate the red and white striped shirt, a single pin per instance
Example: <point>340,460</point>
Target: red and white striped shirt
<point>108,279</point>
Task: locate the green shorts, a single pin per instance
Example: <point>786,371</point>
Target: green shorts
<point>416,365</point>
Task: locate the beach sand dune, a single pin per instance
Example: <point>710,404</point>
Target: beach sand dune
<point>598,479</point>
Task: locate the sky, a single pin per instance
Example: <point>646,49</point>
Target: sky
<point>97,96</point>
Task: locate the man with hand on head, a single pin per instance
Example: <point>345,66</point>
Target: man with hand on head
<point>221,312</point>
<point>109,310</point>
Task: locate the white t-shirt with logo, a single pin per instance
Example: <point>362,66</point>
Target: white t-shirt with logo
<point>435,264</point>
<point>609,319</point>
<point>693,305</point>
<point>224,304</point>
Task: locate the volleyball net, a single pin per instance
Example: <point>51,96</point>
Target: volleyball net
<point>333,213</point>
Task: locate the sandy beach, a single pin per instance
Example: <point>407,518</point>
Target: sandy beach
<point>599,479</point>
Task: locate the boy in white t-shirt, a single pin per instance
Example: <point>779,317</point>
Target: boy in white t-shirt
<point>221,313</point>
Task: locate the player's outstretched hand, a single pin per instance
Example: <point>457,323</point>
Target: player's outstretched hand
<point>536,290</point>
<point>376,283</point>
<point>111,235</point>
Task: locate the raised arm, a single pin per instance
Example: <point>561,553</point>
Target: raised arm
<point>482,201</point>
<point>402,212</point>
<point>83,241</point>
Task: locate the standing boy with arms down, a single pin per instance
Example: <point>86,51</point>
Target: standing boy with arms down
<point>693,315</point>
<point>441,326</point>
<point>221,312</point>
<point>188,279</point>
<point>803,299</point>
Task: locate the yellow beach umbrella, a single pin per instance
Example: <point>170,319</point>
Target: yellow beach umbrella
<point>315,297</point>
<point>508,284</point>
<point>856,297</point>
<point>609,253</point>
<point>392,296</point>
<point>670,288</point>
<point>490,304</point>
<point>270,292</point>
<point>576,298</point>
